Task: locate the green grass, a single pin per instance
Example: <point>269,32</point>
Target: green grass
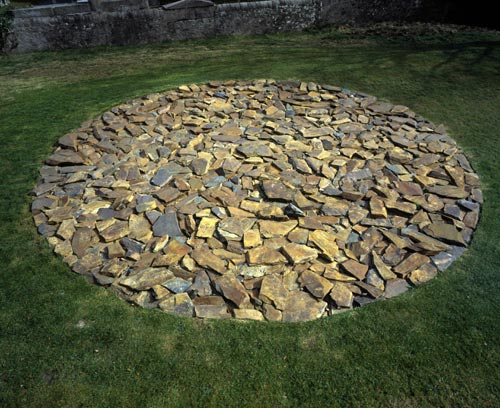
<point>437,346</point>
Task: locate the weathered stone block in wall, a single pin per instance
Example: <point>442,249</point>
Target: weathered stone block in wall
<point>265,16</point>
<point>52,10</point>
<point>122,5</point>
<point>40,11</point>
<point>199,28</point>
<point>183,4</point>
<point>369,11</point>
<point>65,9</point>
<point>178,15</point>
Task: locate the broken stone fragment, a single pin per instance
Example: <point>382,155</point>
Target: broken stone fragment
<point>248,314</point>
<point>200,166</point>
<point>167,224</point>
<point>174,252</point>
<point>384,270</point>
<point>275,190</point>
<point>355,268</point>
<point>206,259</point>
<point>201,285</point>
<point>206,227</point>
<point>424,274</point>
<point>446,232</point>
<point>316,285</point>
<point>395,287</point>
<point>83,238</point>
<point>275,229</point>
<point>147,278</point>
<point>65,157</point>
<point>233,228</point>
<point>232,289</point>
<point>325,242</point>
<point>377,208</point>
<point>300,307</point>
<point>414,261</point>
<point>341,295</point>
<point>265,256</point>
<point>212,312</point>
<point>253,149</point>
<point>252,239</point>
<point>297,253</point>
<point>273,291</point>
<point>139,228</point>
<point>180,305</point>
<point>177,285</point>
<point>374,279</point>
<point>448,191</point>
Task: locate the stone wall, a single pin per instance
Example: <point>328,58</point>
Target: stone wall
<point>371,11</point>
<point>116,23</point>
<point>123,22</point>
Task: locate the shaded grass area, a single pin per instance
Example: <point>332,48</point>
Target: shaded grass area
<point>437,346</point>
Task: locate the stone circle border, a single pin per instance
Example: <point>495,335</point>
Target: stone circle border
<point>260,200</point>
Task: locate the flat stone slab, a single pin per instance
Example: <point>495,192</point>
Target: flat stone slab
<point>261,200</point>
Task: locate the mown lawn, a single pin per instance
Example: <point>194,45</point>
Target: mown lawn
<point>437,346</point>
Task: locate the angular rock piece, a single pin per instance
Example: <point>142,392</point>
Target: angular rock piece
<point>297,253</point>
<point>275,190</point>
<point>355,268</point>
<point>252,149</point>
<point>423,274</point>
<point>201,285</point>
<point>206,228</point>
<point>174,252</point>
<point>177,285</point>
<point>414,261</point>
<point>206,259</point>
<point>65,157</point>
<point>212,312</point>
<point>448,191</point>
<point>265,256</point>
<point>384,270</point>
<point>251,239</point>
<point>83,238</point>
<point>273,291</point>
<point>325,242</point>
<point>341,295</point>
<point>377,208</point>
<point>167,224</point>
<point>180,305</point>
<point>248,314</point>
<point>395,287</point>
<point>276,229</point>
<point>147,278</point>
<point>446,232</point>
<point>232,289</point>
<point>301,306</point>
<point>316,285</point>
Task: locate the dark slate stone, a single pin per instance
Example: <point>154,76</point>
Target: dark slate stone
<point>161,177</point>
<point>444,259</point>
<point>293,211</point>
<point>363,300</point>
<point>177,285</point>
<point>131,245</point>
<point>167,224</point>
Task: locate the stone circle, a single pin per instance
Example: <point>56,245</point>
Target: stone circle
<point>262,200</point>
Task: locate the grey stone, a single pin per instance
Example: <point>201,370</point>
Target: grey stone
<point>167,224</point>
<point>177,285</point>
